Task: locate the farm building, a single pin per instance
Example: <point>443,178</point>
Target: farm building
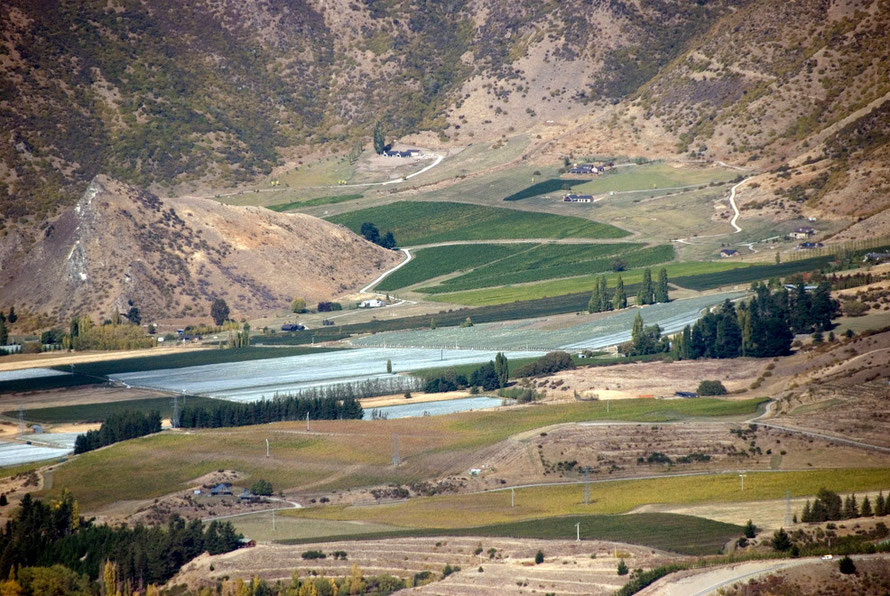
<point>803,233</point>
<point>405,153</point>
<point>292,327</point>
<point>809,245</point>
<point>729,252</point>
<point>876,257</point>
<point>578,198</point>
<point>221,489</point>
<point>372,303</point>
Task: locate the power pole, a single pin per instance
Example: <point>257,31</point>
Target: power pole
<point>307,422</point>
<point>396,460</point>
<point>742,478</point>
<point>267,447</point>
<point>578,532</point>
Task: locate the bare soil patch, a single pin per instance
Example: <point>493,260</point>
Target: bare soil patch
<point>74,396</point>
<point>650,379</point>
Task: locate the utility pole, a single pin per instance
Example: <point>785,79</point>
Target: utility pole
<point>307,422</point>
<point>512,498</point>
<point>742,478</point>
<point>267,447</point>
<point>174,420</point>
<point>578,532</point>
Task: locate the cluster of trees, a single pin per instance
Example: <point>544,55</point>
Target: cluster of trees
<point>372,234</point>
<point>128,424</point>
<point>600,301</point>
<point>4,329</point>
<point>261,487</point>
<point>828,506</point>
<point>490,376</point>
<point>648,292</point>
<point>112,335</point>
<point>264,411</point>
<point>763,327</point>
<point>49,534</point>
<point>550,362</point>
<point>644,340</point>
<point>219,311</point>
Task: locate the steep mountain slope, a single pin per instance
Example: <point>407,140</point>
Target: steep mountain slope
<point>160,93</point>
<point>119,246</point>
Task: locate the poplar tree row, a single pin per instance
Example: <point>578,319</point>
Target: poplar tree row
<point>648,293</point>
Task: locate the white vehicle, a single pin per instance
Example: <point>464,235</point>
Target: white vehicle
<point>827,557</point>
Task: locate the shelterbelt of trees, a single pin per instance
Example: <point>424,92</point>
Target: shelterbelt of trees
<point>270,410</point>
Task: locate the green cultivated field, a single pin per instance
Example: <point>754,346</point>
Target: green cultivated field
<point>667,531</point>
<point>313,202</point>
<point>98,412</point>
<point>751,273</point>
<point>553,261</point>
<point>563,287</point>
<point>152,466</point>
<point>428,263</point>
<point>415,223</point>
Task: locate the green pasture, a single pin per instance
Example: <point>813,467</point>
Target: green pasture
<point>651,176</point>
<point>315,202</point>
<point>415,223</point>
<point>156,465</point>
<point>554,261</point>
<point>606,497</point>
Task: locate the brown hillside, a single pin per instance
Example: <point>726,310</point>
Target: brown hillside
<point>171,257</point>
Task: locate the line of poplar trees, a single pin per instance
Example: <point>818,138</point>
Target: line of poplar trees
<point>227,413</point>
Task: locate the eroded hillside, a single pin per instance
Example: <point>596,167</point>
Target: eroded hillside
<point>170,257</point>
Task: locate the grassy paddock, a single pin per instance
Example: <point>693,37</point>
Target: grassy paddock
<point>679,533</point>
<point>160,464</point>
<point>621,496</point>
<point>415,223</point>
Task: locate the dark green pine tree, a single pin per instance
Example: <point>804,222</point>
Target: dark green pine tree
<point>824,307</point>
<point>604,292</point>
<point>661,289</point>
<point>865,510</point>
<point>620,299</point>
<point>800,316</point>
<point>807,513</point>
<point>4,333</point>
<point>728,334</point>
<point>880,505</point>
<point>12,318</point>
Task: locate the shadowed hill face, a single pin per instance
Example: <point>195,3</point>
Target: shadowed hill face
<point>171,257</point>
